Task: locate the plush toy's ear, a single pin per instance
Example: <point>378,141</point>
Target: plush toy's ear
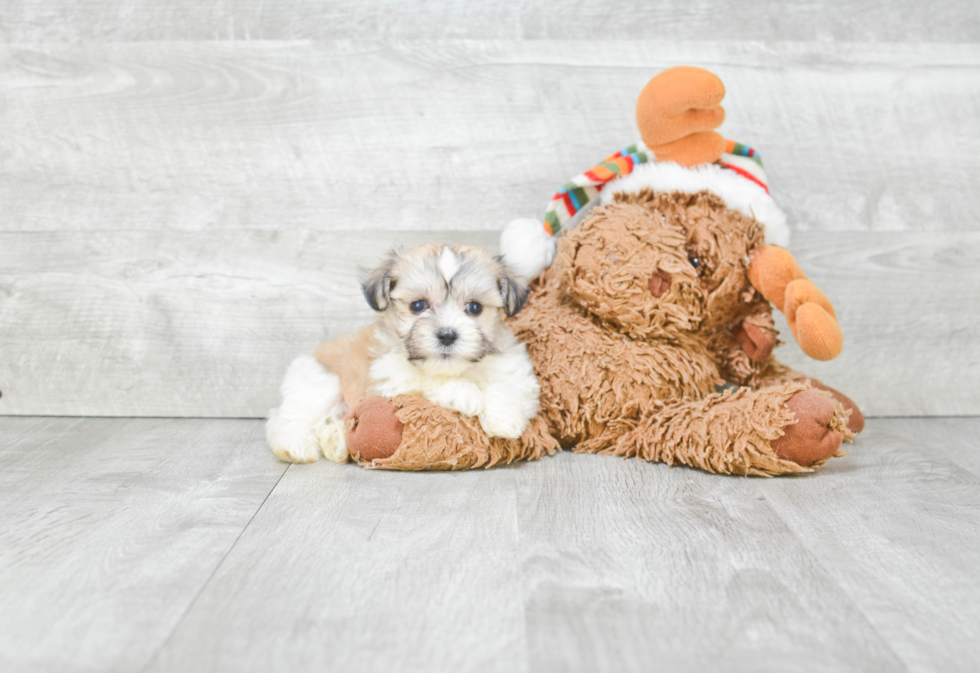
<point>378,284</point>
<point>512,287</point>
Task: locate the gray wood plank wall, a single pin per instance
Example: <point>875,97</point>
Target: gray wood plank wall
<point>753,20</point>
<point>188,189</point>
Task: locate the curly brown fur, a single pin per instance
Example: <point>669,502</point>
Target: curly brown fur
<point>728,432</point>
<point>440,439</point>
<point>633,327</point>
<point>722,241</point>
<point>593,380</point>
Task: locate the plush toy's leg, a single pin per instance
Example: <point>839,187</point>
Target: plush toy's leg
<point>778,430</point>
<point>310,418</point>
<point>411,433</point>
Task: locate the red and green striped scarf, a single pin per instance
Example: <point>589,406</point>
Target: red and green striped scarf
<point>581,189</point>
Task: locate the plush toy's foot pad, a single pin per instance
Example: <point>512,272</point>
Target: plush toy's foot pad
<point>811,438</point>
<point>373,429</point>
<point>855,422</point>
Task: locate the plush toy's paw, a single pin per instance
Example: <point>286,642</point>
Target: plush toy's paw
<point>811,439</point>
<point>332,438</point>
<point>755,340</point>
<point>373,429</point>
<point>855,422</point>
<point>292,441</point>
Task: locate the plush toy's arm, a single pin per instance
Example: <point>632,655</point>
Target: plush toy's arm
<point>742,350</point>
<point>411,433</point>
<point>772,372</point>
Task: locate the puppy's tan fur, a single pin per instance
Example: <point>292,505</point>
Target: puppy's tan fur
<point>350,357</point>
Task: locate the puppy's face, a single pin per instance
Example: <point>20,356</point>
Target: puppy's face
<point>444,303</point>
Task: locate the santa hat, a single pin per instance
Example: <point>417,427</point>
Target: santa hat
<point>677,114</point>
<point>737,177</point>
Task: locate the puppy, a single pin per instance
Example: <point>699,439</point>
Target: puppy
<point>439,333</point>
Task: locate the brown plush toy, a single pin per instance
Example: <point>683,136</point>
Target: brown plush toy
<point>648,307</point>
<point>659,296</point>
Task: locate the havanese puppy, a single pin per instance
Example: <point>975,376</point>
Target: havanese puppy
<point>439,333</point>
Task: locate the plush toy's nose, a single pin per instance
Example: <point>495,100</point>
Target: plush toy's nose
<point>659,283</point>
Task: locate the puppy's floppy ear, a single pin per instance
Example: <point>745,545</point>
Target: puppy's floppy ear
<point>512,287</point>
<point>378,284</point>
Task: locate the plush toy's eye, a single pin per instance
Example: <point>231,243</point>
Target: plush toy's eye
<point>474,308</point>
<point>418,306</point>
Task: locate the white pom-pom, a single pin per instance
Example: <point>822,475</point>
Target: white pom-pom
<point>777,231</point>
<point>527,247</point>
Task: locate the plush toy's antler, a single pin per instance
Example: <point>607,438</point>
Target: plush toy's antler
<point>677,112</point>
<point>811,317</point>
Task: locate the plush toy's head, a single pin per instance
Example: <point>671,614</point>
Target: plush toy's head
<point>661,265</point>
<point>692,258</point>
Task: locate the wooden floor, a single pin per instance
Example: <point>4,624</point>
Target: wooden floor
<point>183,545</point>
<point>188,189</point>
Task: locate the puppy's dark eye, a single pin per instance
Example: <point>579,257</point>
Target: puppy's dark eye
<point>695,261</point>
<point>418,306</point>
<point>474,308</point>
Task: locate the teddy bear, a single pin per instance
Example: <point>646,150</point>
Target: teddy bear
<point>649,322</point>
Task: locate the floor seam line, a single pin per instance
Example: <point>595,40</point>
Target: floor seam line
<point>210,578</point>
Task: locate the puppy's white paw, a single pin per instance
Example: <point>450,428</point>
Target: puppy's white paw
<point>506,423</point>
<point>460,396</point>
<point>510,407</point>
<point>332,437</point>
<point>292,441</point>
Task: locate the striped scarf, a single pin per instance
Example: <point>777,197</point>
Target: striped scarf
<point>584,187</point>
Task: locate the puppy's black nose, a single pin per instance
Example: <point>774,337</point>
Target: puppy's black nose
<point>446,336</point>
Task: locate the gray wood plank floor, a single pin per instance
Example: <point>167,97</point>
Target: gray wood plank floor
<point>110,527</point>
<point>182,545</point>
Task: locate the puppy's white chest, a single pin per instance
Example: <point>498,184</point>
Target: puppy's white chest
<point>392,374</point>
<point>501,390</point>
